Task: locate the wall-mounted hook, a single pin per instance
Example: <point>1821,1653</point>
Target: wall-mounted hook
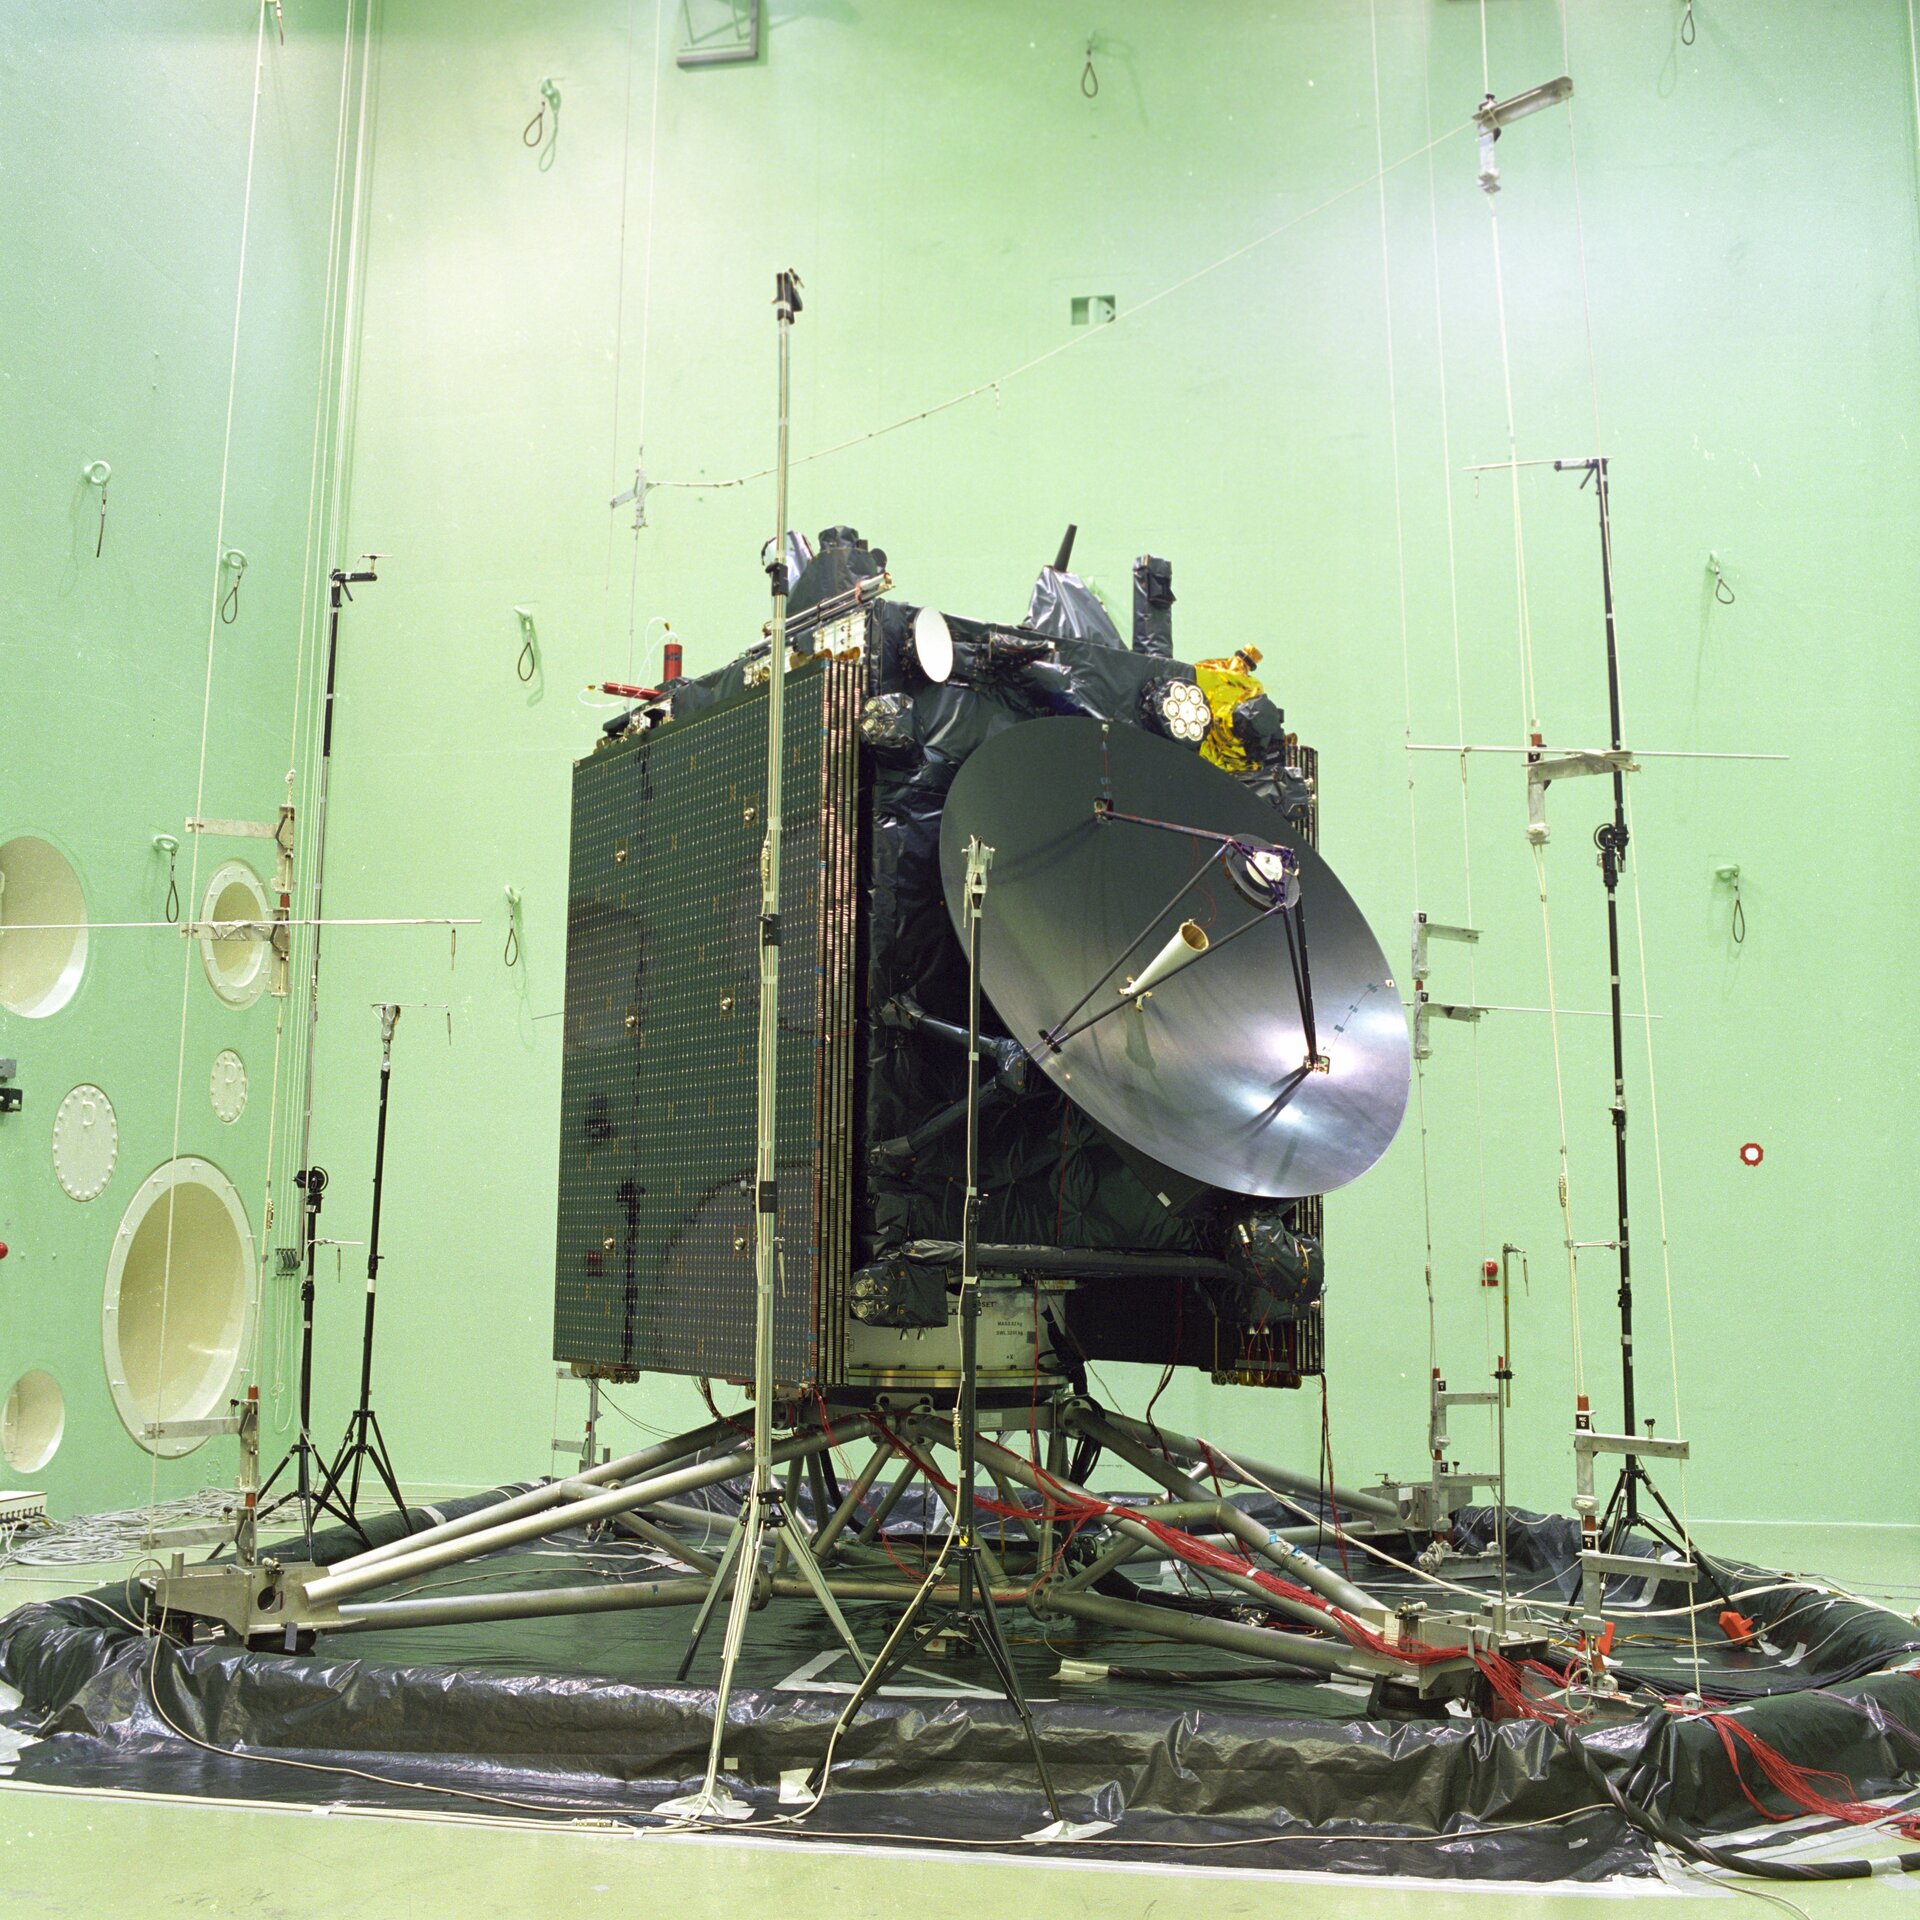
<point>528,663</point>
<point>1728,875</point>
<point>535,133</point>
<point>167,844</point>
<point>234,563</point>
<point>511,954</point>
<point>1721,591</point>
<point>1089,80</point>
<point>96,473</point>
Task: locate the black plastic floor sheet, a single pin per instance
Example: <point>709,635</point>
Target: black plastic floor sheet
<point>580,1716</point>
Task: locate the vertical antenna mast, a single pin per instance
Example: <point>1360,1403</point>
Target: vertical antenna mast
<point>765,1514</point>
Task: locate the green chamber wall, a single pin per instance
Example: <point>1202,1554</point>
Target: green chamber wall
<point>1295,429</point>
<point>130,336</point>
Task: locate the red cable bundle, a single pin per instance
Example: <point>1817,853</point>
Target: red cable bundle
<point>1208,1558</point>
<point>1796,1784</point>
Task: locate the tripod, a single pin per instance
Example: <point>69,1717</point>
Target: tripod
<point>303,1456</point>
<point>971,1616</point>
<point>766,1516</point>
<point>1622,1512</point>
<point>364,1444</point>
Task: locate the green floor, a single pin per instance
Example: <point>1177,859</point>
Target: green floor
<point>95,1854</point>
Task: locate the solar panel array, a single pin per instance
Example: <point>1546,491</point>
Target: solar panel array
<point>655,1251</point>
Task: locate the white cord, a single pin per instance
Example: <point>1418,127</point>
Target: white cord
<point>270,1320</point>
<point>1631,859</point>
<point>1406,664</point>
<point>92,1538</point>
<point>1459,677</point>
<point>1560,1107</point>
<point>206,714</point>
<point>994,385</point>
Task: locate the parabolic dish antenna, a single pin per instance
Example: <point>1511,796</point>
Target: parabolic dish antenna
<point>1210,1073</point>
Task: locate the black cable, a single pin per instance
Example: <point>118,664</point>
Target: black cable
<point>1645,1820</point>
<point>1200,1676</point>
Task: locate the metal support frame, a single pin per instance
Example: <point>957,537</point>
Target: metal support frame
<point>1597,1562</point>
<point>1448,1486</point>
<point>849,1553</point>
<point>1426,930</point>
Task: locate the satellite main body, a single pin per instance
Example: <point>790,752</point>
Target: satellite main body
<point>1090,1249</point>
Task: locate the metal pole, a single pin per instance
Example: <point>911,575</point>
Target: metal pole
<point>1613,852</point>
<point>389,1019</point>
<point>1291,1560</point>
<point>555,1493</point>
<point>603,1506</point>
<point>1611,839</point>
<point>1264,1643</point>
<point>539,1603</point>
<point>1243,1467</point>
<point>339,580</point>
<point>763,1496</point>
<point>979,861</point>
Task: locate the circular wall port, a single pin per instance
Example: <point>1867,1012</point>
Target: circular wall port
<point>227,1085</point>
<point>39,891</point>
<point>86,1141</point>
<point>183,1255</point>
<point>236,963</point>
<point>32,1421</point>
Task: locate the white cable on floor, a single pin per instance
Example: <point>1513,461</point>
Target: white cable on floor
<point>90,1539</point>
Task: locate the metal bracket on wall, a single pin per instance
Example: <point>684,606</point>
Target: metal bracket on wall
<point>1425,1009</point>
<point>236,829</point>
<point>635,496</point>
<point>1492,115</point>
<point>737,52</point>
<point>1595,1565</point>
<point>1448,1487</point>
<point>1542,773</point>
<point>1425,930</point>
<point>265,930</point>
<point>11,1097</point>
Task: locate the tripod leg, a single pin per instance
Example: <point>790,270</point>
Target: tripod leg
<point>994,1645</point>
<point>383,1465</point>
<point>336,1472</point>
<point>1614,1522</point>
<point>328,1499</point>
<point>902,1644</point>
<point>796,1537</point>
<point>1683,1542</point>
<point>710,1802</point>
<point>722,1580</point>
<point>303,1472</point>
